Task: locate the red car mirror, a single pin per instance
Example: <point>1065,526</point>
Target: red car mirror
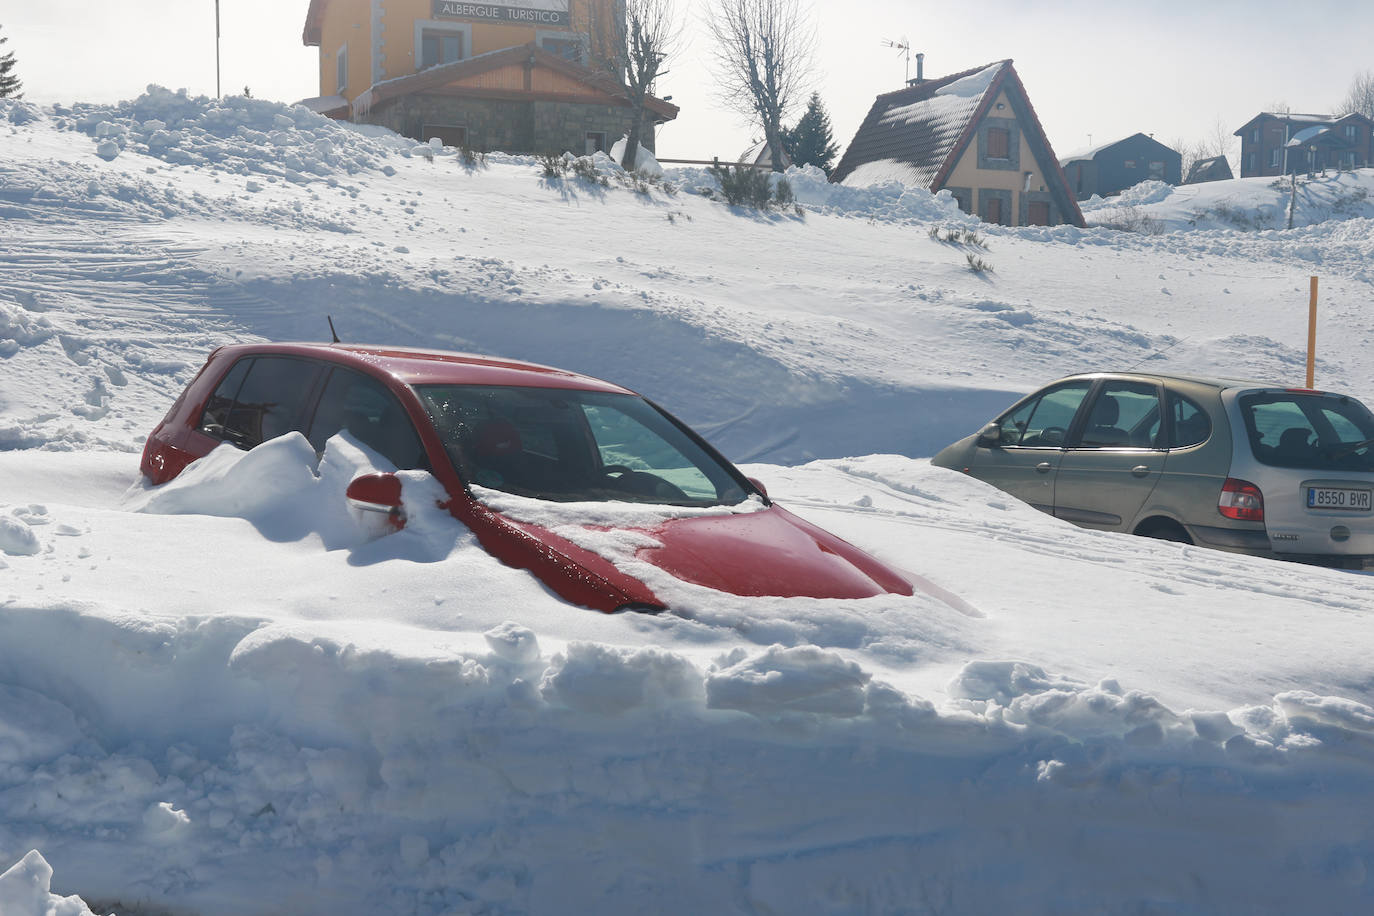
<point>378,493</point>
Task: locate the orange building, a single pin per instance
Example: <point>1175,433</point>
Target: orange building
<point>523,76</point>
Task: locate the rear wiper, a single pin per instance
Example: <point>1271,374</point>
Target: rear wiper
<point>1334,453</point>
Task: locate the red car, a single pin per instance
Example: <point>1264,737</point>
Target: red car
<point>494,427</point>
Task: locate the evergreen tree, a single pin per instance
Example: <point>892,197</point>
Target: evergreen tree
<point>9,83</point>
<point>809,141</point>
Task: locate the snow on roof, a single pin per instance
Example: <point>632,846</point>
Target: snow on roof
<point>916,128</point>
<point>324,103</point>
<point>1089,152</point>
<point>1307,133</point>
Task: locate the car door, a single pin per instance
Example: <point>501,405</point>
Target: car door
<point>1024,460</point>
<point>1115,458</point>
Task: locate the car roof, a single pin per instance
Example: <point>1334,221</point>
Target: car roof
<point>1220,383</point>
<point>416,366</point>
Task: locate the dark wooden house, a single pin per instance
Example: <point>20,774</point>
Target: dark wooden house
<point>973,134</point>
<point>1113,167</point>
<point>1279,143</point>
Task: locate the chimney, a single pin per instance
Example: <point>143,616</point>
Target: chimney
<point>920,70</point>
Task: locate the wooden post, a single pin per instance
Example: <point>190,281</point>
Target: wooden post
<point>1312,335</point>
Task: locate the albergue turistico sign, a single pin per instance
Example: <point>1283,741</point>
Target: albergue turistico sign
<point>539,12</point>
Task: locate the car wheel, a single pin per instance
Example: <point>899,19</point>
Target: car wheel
<point>1164,530</point>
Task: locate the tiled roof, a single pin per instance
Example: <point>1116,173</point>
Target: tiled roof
<point>909,134</point>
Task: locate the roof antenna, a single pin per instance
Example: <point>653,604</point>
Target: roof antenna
<point>332,333</point>
<point>904,46</point>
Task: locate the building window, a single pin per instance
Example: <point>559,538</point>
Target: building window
<point>1250,162</point>
<point>567,45</point>
<point>999,143</point>
<point>1254,135</point>
<point>595,142</point>
<point>341,76</point>
<point>1275,157</point>
<point>1352,131</point>
<point>1157,170</point>
<point>1037,213</point>
<point>448,134</point>
<point>440,46</point>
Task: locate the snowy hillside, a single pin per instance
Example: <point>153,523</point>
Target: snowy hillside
<point>220,697</point>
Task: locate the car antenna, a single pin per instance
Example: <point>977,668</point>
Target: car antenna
<point>1158,353</point>
<point>332,333</point>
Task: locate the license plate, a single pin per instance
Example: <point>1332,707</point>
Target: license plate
<point>1337,498</point>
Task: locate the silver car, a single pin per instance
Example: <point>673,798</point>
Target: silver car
<point>1240,466</point>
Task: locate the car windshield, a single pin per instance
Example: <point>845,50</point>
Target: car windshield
<point>1319,432</point>
<point>576,446</point>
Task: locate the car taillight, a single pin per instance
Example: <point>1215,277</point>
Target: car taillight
<point>1241,499</point>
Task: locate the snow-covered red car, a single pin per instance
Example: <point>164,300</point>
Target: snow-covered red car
<point>497,432</point>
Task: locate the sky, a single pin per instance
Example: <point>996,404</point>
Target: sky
<point>1095,72</point>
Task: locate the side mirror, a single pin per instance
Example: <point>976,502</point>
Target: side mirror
<point>380,493</point>
<point>758,485</point>
<point>990,435</point>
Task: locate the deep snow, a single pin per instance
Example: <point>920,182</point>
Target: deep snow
<point>224,696</point>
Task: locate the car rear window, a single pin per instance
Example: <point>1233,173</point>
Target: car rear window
<point>1320,432</point>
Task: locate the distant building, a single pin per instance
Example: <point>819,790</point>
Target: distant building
<point>522,78</point>
<point>973,134</point>
<point>1278,143</point>
<point>1113,167</point>
<point>1215,168</point>
<point>760,155</point>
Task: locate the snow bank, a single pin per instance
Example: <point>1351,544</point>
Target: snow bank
<point>235,134</point>
<point>1241,204</point>
<point>25,890</point>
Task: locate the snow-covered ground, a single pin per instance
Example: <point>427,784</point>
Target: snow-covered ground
<point>220,697</point>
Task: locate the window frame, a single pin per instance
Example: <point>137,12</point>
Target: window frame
<point>341,69</point>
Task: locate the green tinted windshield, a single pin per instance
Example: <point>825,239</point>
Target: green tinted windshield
<point>575,446</point>
<point>1319,432</point>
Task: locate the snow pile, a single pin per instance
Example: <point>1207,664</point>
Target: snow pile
<point>1246,204</point>
<point>235,134</point>
<point>25,890</point>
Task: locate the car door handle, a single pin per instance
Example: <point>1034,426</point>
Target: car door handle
<point>1140,470</point>
<point>1044,467</point>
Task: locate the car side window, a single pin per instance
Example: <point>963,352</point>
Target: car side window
<point>370,413</point>
<point>269,400</point>
<point>1191,425</point>
<point>217,408</point>
<point>1124,414</point>
<point>1044,420</point>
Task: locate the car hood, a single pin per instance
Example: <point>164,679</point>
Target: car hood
<point>769,553</point>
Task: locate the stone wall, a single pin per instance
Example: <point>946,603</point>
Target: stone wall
<point>533,127</point>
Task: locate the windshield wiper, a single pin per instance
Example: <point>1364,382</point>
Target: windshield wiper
<point>1336,454</point>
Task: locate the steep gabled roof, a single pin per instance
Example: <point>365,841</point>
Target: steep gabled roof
<point>918,134</point>
<point>909,134</point>
<point>446,74</point>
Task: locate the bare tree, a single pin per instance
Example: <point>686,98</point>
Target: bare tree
<point>634,51</point>
<point>764,51</point>
<point>1360,99</point>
